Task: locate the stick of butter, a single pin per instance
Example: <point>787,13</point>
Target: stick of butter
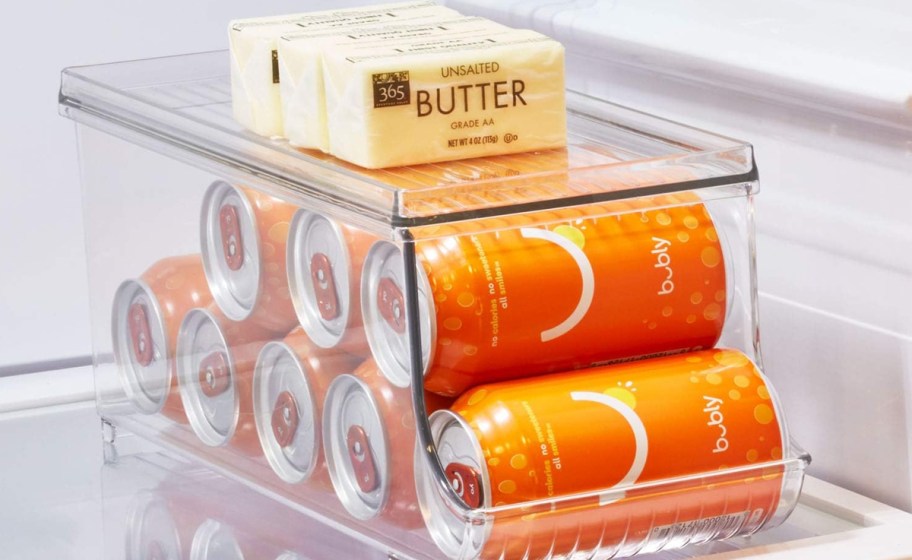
<point>255,96</point>
<point>301,67</point>
<point>453,98</point>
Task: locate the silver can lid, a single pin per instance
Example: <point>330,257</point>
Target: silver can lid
<point>215,541</point>
<point>206,373</point>
<point>319,277</point>
<point>356,447</point>
<point>462,460</point>
<point>151,531</point>
<point>285,413</point>
<point>383,311</point>
<point>141,346</point>
<point>231,249</point>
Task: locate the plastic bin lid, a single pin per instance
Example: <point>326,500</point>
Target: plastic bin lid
<point>182,105</point>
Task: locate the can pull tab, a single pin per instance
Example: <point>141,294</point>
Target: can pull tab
<point>392,304</point>
<point>214,377</point>
<point>362,460</point>
<point>232,242</point>
<point>140,334</point>
<point>324,286</point>
<point>465,482</point>
<point>285,419</point>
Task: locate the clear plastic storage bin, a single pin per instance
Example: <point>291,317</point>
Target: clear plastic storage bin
<point>304,325</point>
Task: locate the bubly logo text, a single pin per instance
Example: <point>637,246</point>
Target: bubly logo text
<point>663,261</point>
<point>713,407</point>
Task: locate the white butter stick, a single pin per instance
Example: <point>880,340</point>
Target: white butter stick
<point>301,66</point>
<point>256,101</point>
<point>497,93</point>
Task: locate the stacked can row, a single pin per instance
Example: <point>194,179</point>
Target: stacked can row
<point>197,516</point>
<point>287,337</point>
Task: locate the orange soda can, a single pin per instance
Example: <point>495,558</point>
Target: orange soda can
<point>369,435</point>
<point>145,320</point>
<point>583,290</point>
<point>602,431</point>
<point>215,362</point>
<point>289,386</point>
<point>325,258</point>
<point>243,234</point>
<point>157,529</point>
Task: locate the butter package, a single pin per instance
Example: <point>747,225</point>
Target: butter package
<point>496,93</point>
<point>301,66</point>
<point>255,95</point>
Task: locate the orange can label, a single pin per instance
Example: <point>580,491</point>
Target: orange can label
<point>274,309</point>
<point>576,293</point>
<point>617,459</point>
<point>358,243</point>
<point>179,284</point>
<point>613,426</point>
<point>245,339</point>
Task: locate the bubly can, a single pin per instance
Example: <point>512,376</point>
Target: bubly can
<point>215,541</point>
<point>528,300</point>
<point>325,259</point>
<point>215,361</point>
<point>243,234</point>
<point>368,432</point>
<point>602,431</point>
<point>145,320</point>
<point>153,532</point>
<point>289,386</point>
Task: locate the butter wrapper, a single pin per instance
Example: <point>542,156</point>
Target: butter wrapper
<point>255,92</point>
<point>444,99</point>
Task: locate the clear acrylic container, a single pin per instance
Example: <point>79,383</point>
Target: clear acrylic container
<point>278,313</point>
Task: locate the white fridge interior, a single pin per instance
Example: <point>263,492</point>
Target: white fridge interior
<point>822,91</point>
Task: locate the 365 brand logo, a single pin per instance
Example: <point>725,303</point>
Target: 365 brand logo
<point>391,89</point>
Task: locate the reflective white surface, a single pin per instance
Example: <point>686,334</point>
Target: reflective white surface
<point>50,484</point>
<point>60,500</point>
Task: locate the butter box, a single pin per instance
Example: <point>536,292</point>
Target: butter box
<point>301,66</point>
<point>256,102</point>
<point>495,93</point>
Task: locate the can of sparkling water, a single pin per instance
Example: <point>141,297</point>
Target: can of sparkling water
<point>157,531</point>
<point>214,540</point>
<point>145,319</point>
<point>215,362</point>
<point>597,433</point>
<point>368,435</point>
<point>584,290</point>
<point>244,236</point>
<point>325,258</point>
<point>289,387</point>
